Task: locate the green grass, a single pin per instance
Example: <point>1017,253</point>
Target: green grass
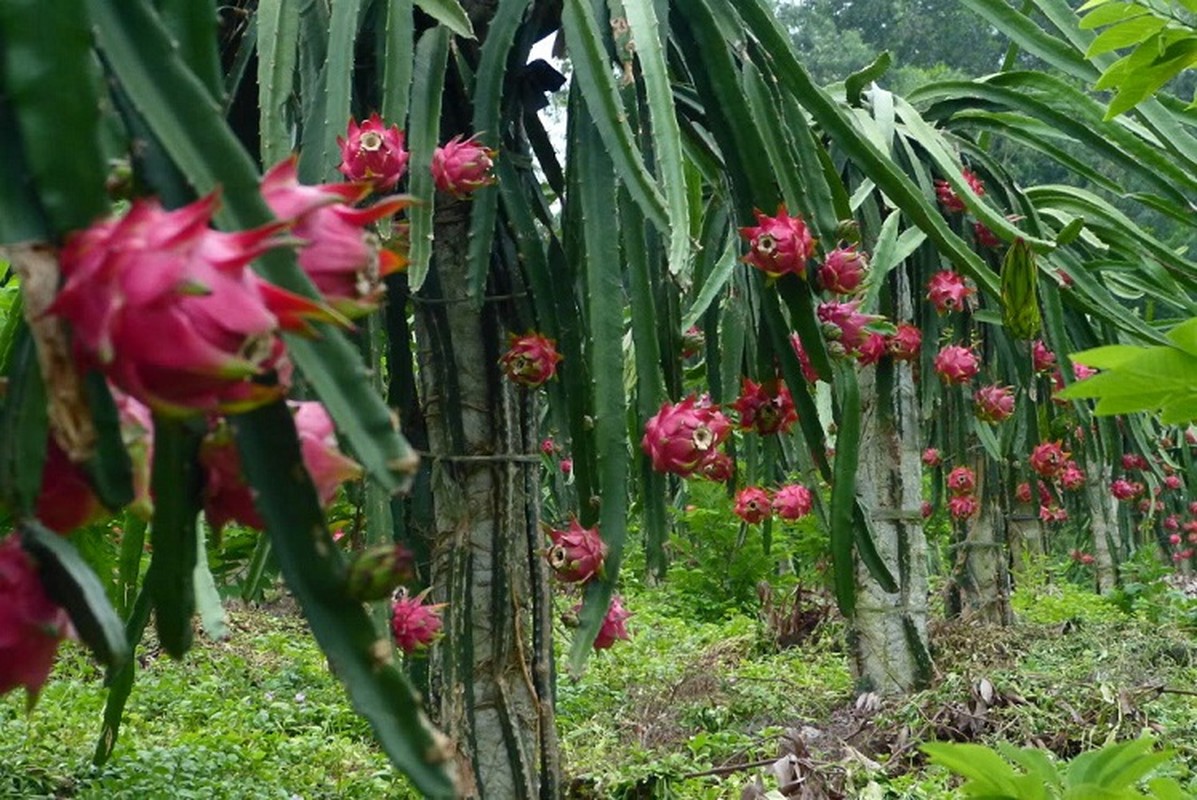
<point>259,715</point>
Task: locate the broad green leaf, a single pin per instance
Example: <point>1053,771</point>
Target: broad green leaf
<point>594,77</point>
<point>1106,357</point>
<point>50,82</point>
<point>650,49</point>
<point>1111,13</point>
<point>450,14</point>
<point>1124,34</point>
<point>72,584</point>
<point>985,770</point>
<point>1184,336</point>
<point>428,82</point>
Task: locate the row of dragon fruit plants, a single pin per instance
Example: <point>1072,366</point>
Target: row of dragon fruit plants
<point>170,274</point>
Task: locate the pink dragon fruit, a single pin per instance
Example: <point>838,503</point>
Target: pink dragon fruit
<point>343,260</point>
<point>793,501</point>
<point>963,506</point>
<point>1124,490</point>
<point>1133,461</point>
<point>778,245</point>
<point>1048,459</point>
<point>463,166</point>
<point>765,407</point>
<point>415,624</point>
<point>753,504</point>
<point>227,498</point>
<point>1022,492</point>
<point>372,153</point>
<point>1072,477</point>
<point>947,196</point>
<point>875,346</point>
<point>614,625</point>
<point>1172,523</point>
<point>956,364</point>
<point>530,359</point>
<point>843,270</point>
<point>31,624</point>
<point>1042,359</point>
<point>844,325</point>
<point>155,278</point>
<point>66,500</point>
<point>994,403</point>
<point>961,480</point>
<point>577,553</point>
<point>683,436</point>
<point>1052,514</point>
<point>907,343</point>
<point>947,291</point>
<point>926,509</point>
<point>932,458</point>
<point>548,447</point>
<point>808,369</point>
<point>718,468</point>
<point>1172,482</point>
<point>985,237</point>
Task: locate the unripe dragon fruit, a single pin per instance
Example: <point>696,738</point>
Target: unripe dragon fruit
<point>1042,359</point>
<point>843,270</point>
<point>577,553</point>
<point>766,407</point>
<point>414,623</point>
<point>343,259</point>
<point>753,504</point>
<point>372,153</point>
<point>947,196</point>
<point>906,343</point>
<point>932,458</point>
<point>614,625</point>
<point>1048,459</point>
<point>961,507</point>
<point>778,245</point>
<point>947,291</point>
<point>961,480</point>
<point>31,624</point>
<point>377,571</point>
<point>994,403</point>
<point>530,359</point>
<point>167,309</point>
<point>683,436</point>
<point>956,364</point>
<point>463,166</point>
<point>793,501</point>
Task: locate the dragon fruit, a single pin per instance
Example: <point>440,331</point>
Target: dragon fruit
<point>875,346</point>
<point>906,343</point>
<point>1072,477</point>
<point>1172,482</point>
<point>415,624</point>
<point>614,625</point>
<point>373,153</point>
<point>1125,490</point>
<point>947,291</point>
<point>530,359</point>
<point>961,480</point>
<point>932,458</point>
<point>753,504</point>
<point>994,403</point>
<point>683,436</point>
<point>985,237</point>
<point>793,501</point>
<point>376,571</point>
<point>343,259</point>
<point>843,270</point>
<point>1048,459</point>
<point>1042,359</point>
<point>947,196</point>
<point>66,500</point>
<point>463,166</point>
<point>765,407</point>
<point>31,624</point>
<point>956,364</point>
<point>963,506</point>
<point>926,509</point>
<point>167,309</point>
<point>1052,514</point>
<point>778,245</point>
<point>718,468</point>
<point>1022,492</point>
<point>577,553</point>
<point>844,326</point>
<point>1133,461</point>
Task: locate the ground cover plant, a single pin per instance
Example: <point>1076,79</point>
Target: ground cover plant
<point>309,301</point>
